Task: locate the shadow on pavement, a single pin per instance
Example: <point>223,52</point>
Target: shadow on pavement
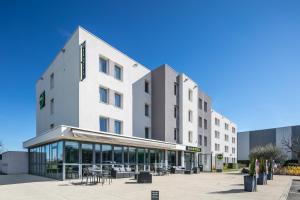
<point>22,178</point>
<point>229,191</point>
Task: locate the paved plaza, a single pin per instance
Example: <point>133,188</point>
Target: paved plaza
<point>188,187</point>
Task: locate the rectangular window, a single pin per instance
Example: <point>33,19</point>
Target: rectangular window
<point>233,140</point>
<point>147,87</point>
<point>205,106</point>
<point>118,72</point>
<point>103,65</point>
<point>226,138</point>
<point>190,95</point>
<point>200,122</point>
<point>226,126</point>
<point>226,149</point>
<point>103,124</point>
<point>205,141</point>
<point>175,133</point>
<point>233,150</point>
<point>83,61</point>
<point>52,106</point>
<point>190,136</point>
<point>217,147</point>
<point>205,124</point>
<point>175,111</point>
<point>200,103</point>
<point>147,110</point>
<point>233,129</point>
<point>175,88</point>
<point>200,140</point>
<point>52,81</point>
<point>217,134</point>
<point>104,95</point>
<point>217,121</point>
<point>190,116</point>
<point>118,127</point>
<point>118,100</point>
<point>146,132</point>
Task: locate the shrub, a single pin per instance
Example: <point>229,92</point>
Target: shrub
<point>290,162</point>
<point>268,152</point>
<point>262,166</point>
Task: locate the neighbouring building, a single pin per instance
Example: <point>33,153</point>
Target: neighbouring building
<point>223,138</point>
<point>97,106</point>
<point>14,162</point>
<point>248,140</point>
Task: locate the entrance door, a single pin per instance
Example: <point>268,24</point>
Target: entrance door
<point>188,160</point>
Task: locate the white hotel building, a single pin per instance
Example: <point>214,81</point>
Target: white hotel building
<point>97,106</point>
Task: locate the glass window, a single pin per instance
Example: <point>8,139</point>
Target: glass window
<point>175,88</point>
<point>146,132</point>
<point>205,124</point>
<point>71,152</point>
<point>60,152</point>
<point>190,116</point>
<point>200,122</point>
<point>118,127</point>
<point>200,103</point>
<point>103,65</point>
<point>52,81</point>
<point>147,112</point>
<point>175,134</point>
<point>205,106</point>
<point>171,158</point>
<point>200,140</point>
<point>205,141</point>
<point>87,153</point>
<point>146,86</point>
<point>190,136</point>
<point>118,72</point>
<point>106,153</point>
<point>141,154</point>
<point>175,112</point>
<point>118,154</point>
<point>97,153</point>
<point>104,95</point>
<point>104,124</point>
<point>190,95</point>
<point>52,106</point>
<point>118,100</point>
<point>132,155</point>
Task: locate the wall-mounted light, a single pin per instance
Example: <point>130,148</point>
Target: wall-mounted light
<point>63,50</point>
<point>135,65</point>
<point>195,86</point>
<point>186,79</point>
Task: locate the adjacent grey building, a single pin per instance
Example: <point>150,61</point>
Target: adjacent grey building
<point>250,139</point>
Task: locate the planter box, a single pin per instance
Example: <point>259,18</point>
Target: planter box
<point>270,176</point>
<point>262,179</point>
<point>250,184</point>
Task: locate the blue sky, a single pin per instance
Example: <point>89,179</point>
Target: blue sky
<point>244,54</point>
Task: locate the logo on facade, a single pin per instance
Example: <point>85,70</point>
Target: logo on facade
<point>42,100</point>
<point>193,149</point>
<point>83,61</point>
<point>219,156</point>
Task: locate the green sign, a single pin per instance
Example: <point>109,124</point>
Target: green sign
<point>220,156</point>
<point>193,149</point>
<point>42,100</point>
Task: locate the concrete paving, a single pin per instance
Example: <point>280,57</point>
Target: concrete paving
<point>210,186</point>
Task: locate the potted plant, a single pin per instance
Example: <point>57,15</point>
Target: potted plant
<point>250,180</point>
<point>262,176</point>
<point>270,171</point>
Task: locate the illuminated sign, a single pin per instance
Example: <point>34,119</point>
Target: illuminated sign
<point>42,100</point>
<point>194,149</point>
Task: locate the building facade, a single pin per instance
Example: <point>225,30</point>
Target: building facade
<point>248,140</point>
<point>223,138</point>
<point>97,106</point>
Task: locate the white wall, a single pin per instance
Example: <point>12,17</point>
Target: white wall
<point>221,140</point>
<point>65,92</point>
<point>14,162</point>
<point>90,107</point>
<point>185,83</point>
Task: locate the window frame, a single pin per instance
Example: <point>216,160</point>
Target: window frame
<point>116,66</point>
<point>107,94</point>
<point>107,124</point>
<point>102,58</point>
<point>121,100</point>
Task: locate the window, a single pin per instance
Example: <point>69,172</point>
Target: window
<point>190,116</point>
<point>205,141</point>
<point>175,133</point>
<point>104,65</point>
<point>226,126</point>
<point>146,132</point>
<point>118,127</point>
<point>205,106</point>
<point>217,121</point>
<point>200,103</point>
<point>118,100</point>
<point>200,140</point>
<point>175,88</point>
<point>104,95</point>
<point>147,111</point>
<point>233,150</point>
<point>200,122</point>
<point>217,134</point>
<point>118,72</point>
<point>217,147</point>
<point>233,129</point>
<point>52,81</point>
<point>190,95</point>
<point>226,137</point>
<point>175,111</point>
<point>146,86</point>
<point>233,140</point>
<point>104,124</point>
<point>205,124</point>
<point>52,106</point>
<point>226,149</point>
<point>51,126</point>
<point>190,136</point>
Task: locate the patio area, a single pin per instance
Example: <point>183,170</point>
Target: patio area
<point>179,186</point>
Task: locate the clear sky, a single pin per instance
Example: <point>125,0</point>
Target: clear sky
<point>244,54</point>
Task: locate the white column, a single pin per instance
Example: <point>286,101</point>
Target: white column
<point>182,159</point>
<point>166,159</point>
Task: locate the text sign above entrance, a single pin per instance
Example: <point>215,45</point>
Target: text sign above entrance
<point>193,149</point>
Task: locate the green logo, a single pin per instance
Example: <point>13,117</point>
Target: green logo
<point>42,100</point>
<point>220,156</point>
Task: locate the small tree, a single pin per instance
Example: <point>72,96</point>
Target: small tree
<point>252,168</point>
<point>268,152</point>
<point>293,146</point>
